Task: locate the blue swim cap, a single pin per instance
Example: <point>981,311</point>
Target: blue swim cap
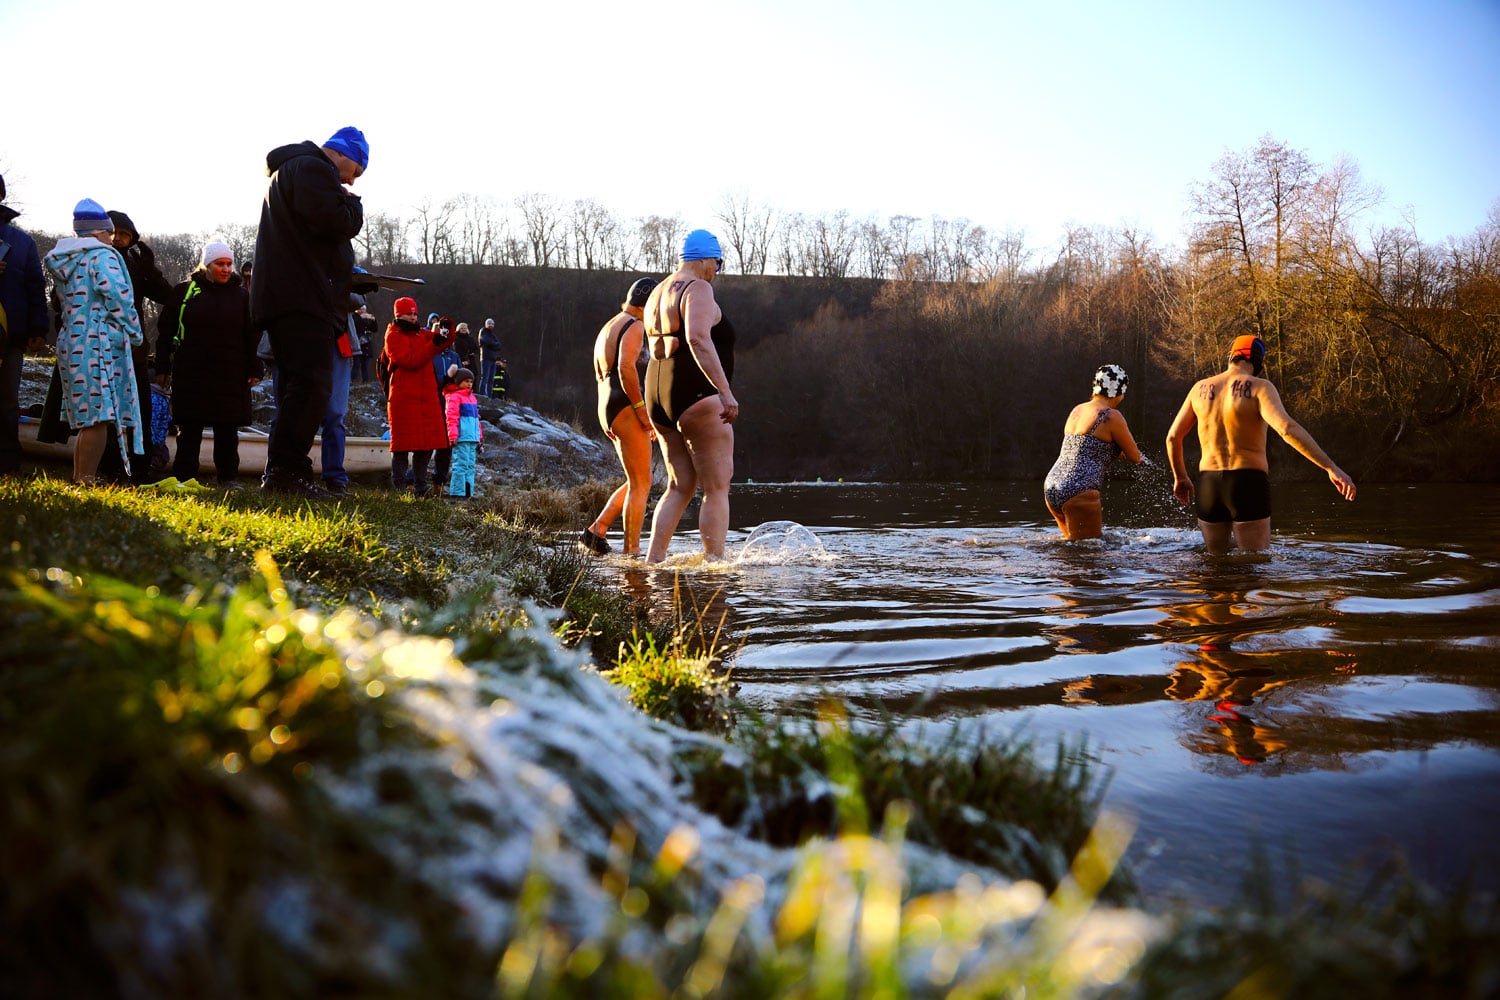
<point>700,244</point>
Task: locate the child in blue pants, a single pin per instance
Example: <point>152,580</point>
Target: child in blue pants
<point>463,432</point>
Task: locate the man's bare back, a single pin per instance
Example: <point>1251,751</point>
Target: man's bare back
<point>1232,411</point>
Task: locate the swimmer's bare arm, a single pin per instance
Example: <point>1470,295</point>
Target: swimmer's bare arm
<point>1119,432</point>
<point>630,373</point>
<point>1182,426</point>
<point>699,314</point>
<point>1274,414</point>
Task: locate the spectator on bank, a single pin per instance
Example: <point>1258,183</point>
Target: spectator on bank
<point>467,346</point>
<point>415,408</point>
<point>150,285</point>
<point>205,347</point>
<point>442,369</point>
<point>462,411</point>
<point>365,359</point>
<point>489,357</point>
<point>99,328</point>
<point>304,260</point>
<point>23,325</point>
<point>334,431</point>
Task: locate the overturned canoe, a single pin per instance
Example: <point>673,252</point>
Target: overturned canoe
<point>361,454</point>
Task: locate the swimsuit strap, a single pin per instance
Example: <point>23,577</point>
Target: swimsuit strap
<point>681,323</point>
<point>619,342</point>
<point>612,350</point>
<point>1103,416</point>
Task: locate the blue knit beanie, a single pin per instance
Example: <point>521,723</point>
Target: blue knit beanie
<point>90,217</point>
<point>350,141</point>
<point>700,244</point>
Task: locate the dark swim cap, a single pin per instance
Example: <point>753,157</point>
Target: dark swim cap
<point>640,292</point>
<point>1249,348</point>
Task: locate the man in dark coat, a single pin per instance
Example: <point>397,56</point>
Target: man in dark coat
<point>23,324</point>
<point>150,283</point>
<point>304,262</point>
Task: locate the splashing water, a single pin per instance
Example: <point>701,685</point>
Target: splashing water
<point>781,543</point>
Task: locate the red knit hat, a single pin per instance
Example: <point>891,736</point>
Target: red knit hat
<point>406,307</point>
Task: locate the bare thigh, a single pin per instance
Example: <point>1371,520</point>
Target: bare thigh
<point>710,442</point>
<point>1084,515</point>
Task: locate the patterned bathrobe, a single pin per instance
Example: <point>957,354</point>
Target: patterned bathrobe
<point>99,327</point>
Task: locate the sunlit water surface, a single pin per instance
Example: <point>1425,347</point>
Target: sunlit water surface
<point>1327,702</point>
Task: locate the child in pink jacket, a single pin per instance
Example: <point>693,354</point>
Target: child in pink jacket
<point>463,431</point>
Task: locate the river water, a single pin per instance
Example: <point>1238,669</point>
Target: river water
<point>1324,704</point>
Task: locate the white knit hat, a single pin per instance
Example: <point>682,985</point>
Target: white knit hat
<point>214,250</point>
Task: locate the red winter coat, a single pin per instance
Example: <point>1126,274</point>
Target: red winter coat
<point>415,410</point>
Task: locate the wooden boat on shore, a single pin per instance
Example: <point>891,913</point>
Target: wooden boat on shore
<point>362,455</point>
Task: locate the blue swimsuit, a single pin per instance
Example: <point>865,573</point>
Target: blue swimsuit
<point>1080,465</point>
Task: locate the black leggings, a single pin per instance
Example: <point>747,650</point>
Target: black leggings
<point>190,448</point>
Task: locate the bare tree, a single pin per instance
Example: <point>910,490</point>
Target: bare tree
<point>593,231</point>
<point>748,230</point>
<point>434,230</point>
<point>659,236</point>
<point>478,231</point>
<point>542,222</point>
<point>382,241</point>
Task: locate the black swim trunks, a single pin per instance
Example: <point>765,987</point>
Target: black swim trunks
<point>1233,495</point>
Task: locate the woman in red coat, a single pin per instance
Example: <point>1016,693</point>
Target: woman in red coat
<point>415,407</point>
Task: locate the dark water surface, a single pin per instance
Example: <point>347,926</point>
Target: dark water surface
<point>1329,701</point>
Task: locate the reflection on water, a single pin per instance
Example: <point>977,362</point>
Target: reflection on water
<point>1336,696</point>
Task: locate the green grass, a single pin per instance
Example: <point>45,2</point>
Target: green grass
<point>261,748</point>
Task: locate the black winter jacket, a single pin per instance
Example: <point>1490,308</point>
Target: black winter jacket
<point>304,261</point>
<point>213,362</point>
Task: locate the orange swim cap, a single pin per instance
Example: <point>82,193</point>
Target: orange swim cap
<point>1249,348</point>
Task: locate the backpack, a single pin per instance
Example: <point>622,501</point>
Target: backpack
<point>383,373</point>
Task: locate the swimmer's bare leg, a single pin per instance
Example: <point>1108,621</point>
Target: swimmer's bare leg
<point>1084,515</point>
<point>1253,536</point>
<point>1062,522</point>
<point>1217,535</point>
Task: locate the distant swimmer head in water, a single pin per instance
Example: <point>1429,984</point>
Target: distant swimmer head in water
<point>1110,381</point>
<point>640,292</point>
<point>1249,348</point>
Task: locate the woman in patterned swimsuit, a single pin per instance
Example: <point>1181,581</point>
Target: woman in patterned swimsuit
<point>1093,436</point>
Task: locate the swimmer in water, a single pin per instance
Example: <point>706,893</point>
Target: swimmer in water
<point>622,414</point>
<point>1094,435</point>
<point>688,396</point>
<point>1232,411</point>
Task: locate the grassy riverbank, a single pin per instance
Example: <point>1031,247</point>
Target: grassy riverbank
<point>269,749</point>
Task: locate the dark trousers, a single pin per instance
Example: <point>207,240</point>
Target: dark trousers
<point>418,478</point>
<point>303,346</point>
<point>10,406</point>
<point>190,448</point>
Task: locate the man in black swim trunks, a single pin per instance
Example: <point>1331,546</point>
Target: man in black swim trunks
<point>1232,411</point>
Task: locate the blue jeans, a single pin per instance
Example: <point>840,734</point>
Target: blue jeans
<point>333,423</point>
<point>486,386</point>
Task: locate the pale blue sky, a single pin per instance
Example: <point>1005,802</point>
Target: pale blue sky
<point>1031,115</point>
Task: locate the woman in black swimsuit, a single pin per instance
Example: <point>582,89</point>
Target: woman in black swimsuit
<point>688,395</point>
<point>622,414</point>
